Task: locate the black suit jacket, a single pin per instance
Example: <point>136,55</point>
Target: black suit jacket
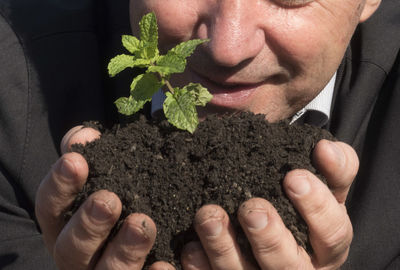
<point>51,78</point>
<point>366,114</point>
<point>53,56</point>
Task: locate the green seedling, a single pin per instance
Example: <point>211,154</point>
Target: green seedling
<point>180,103</point>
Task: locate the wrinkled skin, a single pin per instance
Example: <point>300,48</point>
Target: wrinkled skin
<point>264,56</point>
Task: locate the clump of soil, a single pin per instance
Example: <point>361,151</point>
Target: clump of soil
<point>169,174</point>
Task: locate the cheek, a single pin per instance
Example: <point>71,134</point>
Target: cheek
<point>334,26</point>
<point>312,40</point>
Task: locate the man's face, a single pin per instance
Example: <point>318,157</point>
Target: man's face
<point>264,56</point>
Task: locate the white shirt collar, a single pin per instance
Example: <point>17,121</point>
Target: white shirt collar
<point>318,109</point>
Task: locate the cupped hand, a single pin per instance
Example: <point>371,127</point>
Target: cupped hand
<point>80,243</point>
<point>273,245</point>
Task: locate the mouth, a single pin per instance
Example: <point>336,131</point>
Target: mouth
<point>227,94</point>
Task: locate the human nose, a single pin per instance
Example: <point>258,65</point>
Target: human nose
<point>235,32</point>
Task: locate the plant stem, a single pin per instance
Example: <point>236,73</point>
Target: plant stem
<point>167,83</point>
<point>170,88</point>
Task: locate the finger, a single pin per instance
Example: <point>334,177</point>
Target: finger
<point>272,243</point>
<point>78,134</point>
<point>194,257</point>
<point>57,192</point>
<point>338,162</point>
<point>129,248</point>
<point>217,238</point>
<point>161,266</point>
<point>329,226</point>
<point>80,241</point>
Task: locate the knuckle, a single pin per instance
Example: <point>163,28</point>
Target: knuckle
<point>66,177</point>
<point>339,239</point>
<point>131,256</point>
<point>318,207</point>
<point>125,258</point>
<point>64,258</point>
<point>272,243</point>
<point>90,231</point>
<point>93,222</point>
<point>97,219</point>
<point>272,239</point>
<point>87,233</point>
<point>222,249</point>
<point>51,201</point>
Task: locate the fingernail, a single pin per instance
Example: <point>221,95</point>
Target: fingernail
<point>212,227</point>
<point>299,185</point>
<point>101,210</point>
<point>67,169</point>
<point>256,219</point>
<point>136,234</point>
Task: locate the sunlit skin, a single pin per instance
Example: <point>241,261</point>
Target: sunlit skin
<point>264,56</point>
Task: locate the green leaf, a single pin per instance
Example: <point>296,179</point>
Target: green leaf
<point>148,28</point>
<point>175,59</point>
<point>119,63</point>
<point>185,49</point>
<point>144,86</point>
<point>168,64</point>
<point>142,63</point>
<point>200,94</point>
<point>128,105</point>
<point>180,110</point>
<point>123,61</point>
<point>148,51</point>
<point>149,36</point>
<point>131,43</point>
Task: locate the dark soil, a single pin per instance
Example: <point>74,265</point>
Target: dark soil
<point>169,174</point>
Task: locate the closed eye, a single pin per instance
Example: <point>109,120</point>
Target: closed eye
<point>292,3</point>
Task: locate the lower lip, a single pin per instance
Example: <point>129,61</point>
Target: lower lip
<point>230,97</point>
